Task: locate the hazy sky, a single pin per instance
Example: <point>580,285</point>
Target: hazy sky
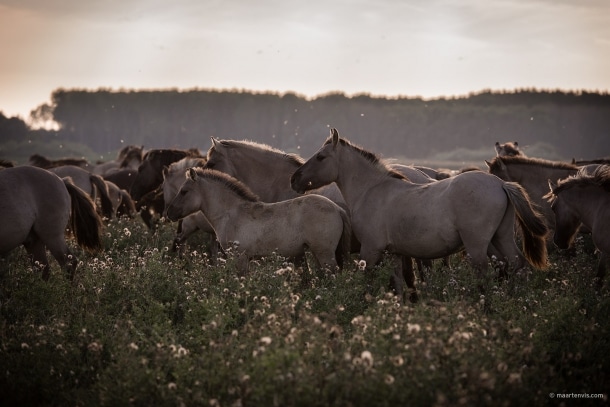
<point>425,48</point>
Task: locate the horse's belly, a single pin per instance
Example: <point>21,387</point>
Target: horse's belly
<point>425,241</point>
<point>12,236</point>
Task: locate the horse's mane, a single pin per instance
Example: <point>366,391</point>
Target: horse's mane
<point>538,162</point>
<point>186,163</point>
<point>371,157</point>
<point>259,147</point>
<point>6,163</point>
<point>38,160</point>
<point>228,181</point>
<point>600,177</point>
<point>175,152</point>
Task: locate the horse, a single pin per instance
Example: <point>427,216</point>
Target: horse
<point>122,178</point>
<point>122,204</point>
<point>260,228</point>
<point>35,208</point>
<point>583,199</point>
<point>414,174</point>
<point>40,161</point>
<point>533,175</point>
<point>473,210</point>
<point>173,178</point>
<point>128,157</point>
<point>437,174</point>
<point>150,171</point>
<point>509,149</point>
<point>6,164</point>
<point>92,184</point>
<point>263,169</point>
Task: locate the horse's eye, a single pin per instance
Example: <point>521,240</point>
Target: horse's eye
<point>320,157</point>
<point>209,165</point>
<point>183,192</point>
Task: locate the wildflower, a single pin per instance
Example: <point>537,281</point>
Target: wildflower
<point>413,328</point>
<point>514,378</point>
<point>361,265</point>
<point>132,346</point>
<point>388,379</point>
<point>398,360</point>
<point>367,358</point>
<point>94,347</point>
<point>171,386</point>
<point>265,340</point>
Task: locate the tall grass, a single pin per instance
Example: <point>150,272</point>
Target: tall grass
<point>141,325</point>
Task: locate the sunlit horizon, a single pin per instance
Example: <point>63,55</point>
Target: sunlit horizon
<point>387,48</point>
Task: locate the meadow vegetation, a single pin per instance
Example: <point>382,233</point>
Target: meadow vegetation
<point>143,326</point>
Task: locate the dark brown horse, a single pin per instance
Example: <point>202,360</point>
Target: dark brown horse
<point>150,171</point>
<point>40,161</point>
<point>583,200</point>
<point>533,174</point>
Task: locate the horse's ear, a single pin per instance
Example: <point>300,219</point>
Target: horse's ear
<point>214,141</point>
<point>191,174</point>
<point>165,171</point>
<point>515,144</point>
<point>552,185</point>
<point>335,135</point>
<point>488,164</point>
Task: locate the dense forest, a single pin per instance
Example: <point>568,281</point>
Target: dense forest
<point>561,125</point>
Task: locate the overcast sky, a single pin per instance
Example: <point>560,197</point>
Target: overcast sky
<point>427,48</point>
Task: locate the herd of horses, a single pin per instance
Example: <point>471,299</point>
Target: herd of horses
<point>256,200</point>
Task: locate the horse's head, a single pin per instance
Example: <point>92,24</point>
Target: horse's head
<point>321,169</point>
<point>219,159</point>
<point>567,221</point>
<point>187,200</point>
<point>508,149</point>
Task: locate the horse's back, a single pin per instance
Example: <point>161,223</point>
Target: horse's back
<point>80,177</point>
<point>31,197</point>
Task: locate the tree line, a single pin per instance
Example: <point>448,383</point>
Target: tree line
<point>575,124</point>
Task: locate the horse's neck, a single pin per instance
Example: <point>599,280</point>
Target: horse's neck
<point>218,202</point>
<point>266,174</point>
<point>587,202</point>
<point>357,176</point>
<point>535,179</point>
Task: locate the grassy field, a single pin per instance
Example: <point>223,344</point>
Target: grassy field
<point>142,326</point>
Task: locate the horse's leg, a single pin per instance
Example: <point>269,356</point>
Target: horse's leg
<point>406,265</point>
<point>325,261</point>
<point>38,254</point>
<point>506,248</point>
<point>179,238</point>
<point>476,245</point>
<point>243,264</point>
<point>63,255</point>
<point>604,261</point>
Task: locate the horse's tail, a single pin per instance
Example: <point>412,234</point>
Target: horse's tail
<point>532,224</point>
<point>100,184</point>
<point>84,220</point>
<point>343,250</point>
